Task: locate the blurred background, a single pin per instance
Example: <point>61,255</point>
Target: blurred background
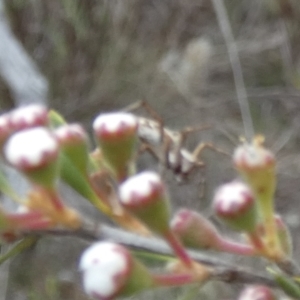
<point>104,55</point>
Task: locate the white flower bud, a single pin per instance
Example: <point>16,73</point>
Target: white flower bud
<point>105,268</point>
<point>31,148</point>
<point>29,116</point>
<point>119,123</point>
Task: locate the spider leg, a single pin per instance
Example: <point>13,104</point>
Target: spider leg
<point>201,146</point>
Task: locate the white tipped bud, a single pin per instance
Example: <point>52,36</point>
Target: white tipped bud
<point>145,196</point>
<point>116,135</point>
<point>109,271</point>
<point>114,124</point>
<point>105,267</point>
<point>29,116</point>
<point>140,187</point>
<point>233,197</point>
<point>31,148</point>
<point>71,134</point>
<point>253,156</point>
<point>234,203</point>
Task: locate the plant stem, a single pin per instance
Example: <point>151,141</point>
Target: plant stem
<point>178,249</point>
<point>55,199</point>
<point>30,221</point>
<point>256,241</point>
<point>236,248</point>
<point>173,279</point>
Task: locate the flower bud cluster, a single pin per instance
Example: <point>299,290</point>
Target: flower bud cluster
<point>249,207</point>
<point>31,147</point>
<point>45,149</point>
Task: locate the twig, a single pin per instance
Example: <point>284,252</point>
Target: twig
<point>238,77</point>
<point>222,271</point>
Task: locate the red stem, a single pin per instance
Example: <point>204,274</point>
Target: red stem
<point>30,220</point>
<point>54,197</point>
<point>38,225</point>
<point>256,241</point>
<point>236,248</point>
<point>24,217</point>
<point>173,279</point>
<point>178,249</point>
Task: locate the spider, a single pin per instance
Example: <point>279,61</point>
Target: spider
<point>167,145</point>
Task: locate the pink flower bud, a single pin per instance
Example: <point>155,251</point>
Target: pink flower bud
<point>194,230</point>
<point>33,115</point>
<point>109,270</point>
<point>116,134</point>
<point>145,196</point>
<point>234,203</point>
<point>197,232</point>
<point>257,292</point>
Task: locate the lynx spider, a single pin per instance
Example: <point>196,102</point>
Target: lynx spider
<point>167,145</point>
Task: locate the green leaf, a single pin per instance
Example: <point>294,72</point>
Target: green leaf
<point>289,286</point>
<point>56,119</point>
<point>152,258</point>
<point>73,177</point>
<point>18,248</point>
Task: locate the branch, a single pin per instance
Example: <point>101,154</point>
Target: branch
<point>222,271</point>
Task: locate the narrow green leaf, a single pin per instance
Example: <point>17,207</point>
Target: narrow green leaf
<point>18,248</point>
<point>290,287</point>
<point>74,178</point>
<point>56,119</point>
<point>152,257</point>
